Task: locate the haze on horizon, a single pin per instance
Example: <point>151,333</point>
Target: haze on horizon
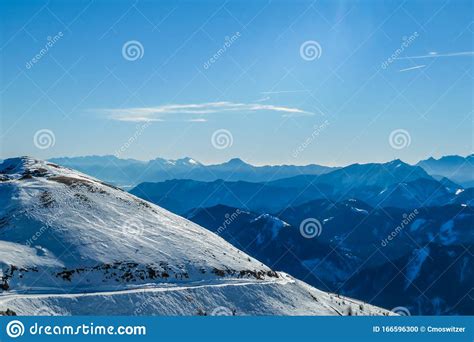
<point>237,159</point>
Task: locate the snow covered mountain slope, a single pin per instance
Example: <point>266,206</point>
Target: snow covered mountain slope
<point>71,244</point>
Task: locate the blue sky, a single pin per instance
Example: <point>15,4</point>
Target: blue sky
<point>378,68</point>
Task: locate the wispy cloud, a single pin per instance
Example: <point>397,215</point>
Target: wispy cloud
<point>263,99</point>
<point>412,68</point>
<point>196,112</point>
<point>437,55</point>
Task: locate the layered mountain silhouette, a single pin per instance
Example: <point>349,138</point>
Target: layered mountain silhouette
<point>129,172</point>
<point>393,184</point>
<point>426,265</point>
<point>457,168</point>
<point>359,208</point>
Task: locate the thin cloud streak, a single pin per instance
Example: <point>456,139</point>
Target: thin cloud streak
<point>412,68</point>
<point>196,112</point>
<point>437,55</point>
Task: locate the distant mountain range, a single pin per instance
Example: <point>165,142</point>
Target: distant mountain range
<point>130,172</point>
<point>458,169</point>
<point>393,184</point>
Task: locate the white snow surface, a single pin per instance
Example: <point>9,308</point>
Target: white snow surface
<point>73,245</point>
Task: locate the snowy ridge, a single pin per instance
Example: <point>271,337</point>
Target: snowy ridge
<point>71,244</point>
<point>82,227</point>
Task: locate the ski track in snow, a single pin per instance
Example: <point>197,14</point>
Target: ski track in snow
<point>4,298</point>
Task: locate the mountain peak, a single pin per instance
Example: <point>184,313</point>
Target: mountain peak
<point>17,165</point>
<point>453,158</point>
<point>236,162</point>
<point>397,163</point>
<point>187,161</point>
<point>22,160</point>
